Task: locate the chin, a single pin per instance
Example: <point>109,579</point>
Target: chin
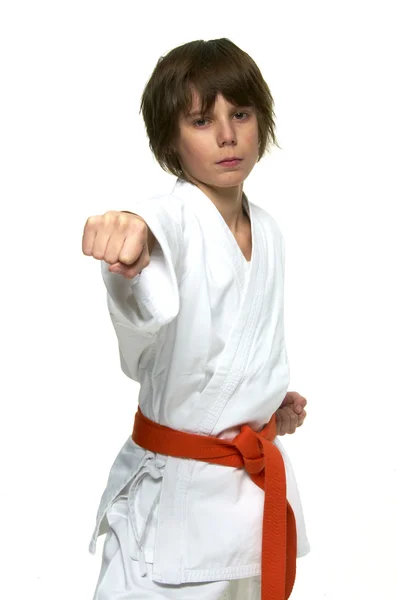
<point>221,180</point>
<point>230,179</point>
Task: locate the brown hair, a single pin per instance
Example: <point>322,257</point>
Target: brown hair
<point>210,67</point>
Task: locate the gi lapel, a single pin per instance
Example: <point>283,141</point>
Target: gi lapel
<point>216,227</point>
<point>232,363</point>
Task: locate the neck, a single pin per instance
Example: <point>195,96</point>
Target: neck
<point>228,201</point>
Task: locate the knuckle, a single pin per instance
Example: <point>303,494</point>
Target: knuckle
<point>135,228</point>
<point>92,222</point>
<point>123,220</point>
<point>138,223</point>
<point>109,218</point>
<point>128,219</point>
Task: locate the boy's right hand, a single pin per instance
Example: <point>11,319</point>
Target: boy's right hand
<point>120,239</point>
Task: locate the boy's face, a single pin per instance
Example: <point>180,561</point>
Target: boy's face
<point>227,131</point>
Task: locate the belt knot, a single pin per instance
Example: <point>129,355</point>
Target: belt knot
<point>251,443</point>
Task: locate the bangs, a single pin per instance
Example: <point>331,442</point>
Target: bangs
<point>217,69</point>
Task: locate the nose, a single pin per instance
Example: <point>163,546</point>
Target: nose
<point>226,134</point>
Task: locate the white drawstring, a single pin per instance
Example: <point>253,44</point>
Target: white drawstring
<point>152,468</point>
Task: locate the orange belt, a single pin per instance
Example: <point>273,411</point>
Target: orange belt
<point>264,463</point>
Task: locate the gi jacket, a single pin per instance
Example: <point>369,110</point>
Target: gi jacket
<point>205,340</point>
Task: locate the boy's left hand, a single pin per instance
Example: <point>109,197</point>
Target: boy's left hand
<point>291,413</point>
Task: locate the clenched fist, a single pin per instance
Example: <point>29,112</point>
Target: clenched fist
<point>121,239</point>
<point>291,413</point>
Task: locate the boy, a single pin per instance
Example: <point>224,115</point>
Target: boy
<point>196,504</point>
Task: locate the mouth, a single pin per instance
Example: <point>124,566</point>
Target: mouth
<point>230,161</point>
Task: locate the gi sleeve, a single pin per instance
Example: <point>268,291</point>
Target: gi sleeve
<point>139,307</point>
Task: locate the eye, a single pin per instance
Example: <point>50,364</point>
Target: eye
<point>241,113</point>
<point>199,121</point>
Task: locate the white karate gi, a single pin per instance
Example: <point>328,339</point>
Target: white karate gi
<point>207,346</point>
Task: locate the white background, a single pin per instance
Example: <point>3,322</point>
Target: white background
<point>73,144</point>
